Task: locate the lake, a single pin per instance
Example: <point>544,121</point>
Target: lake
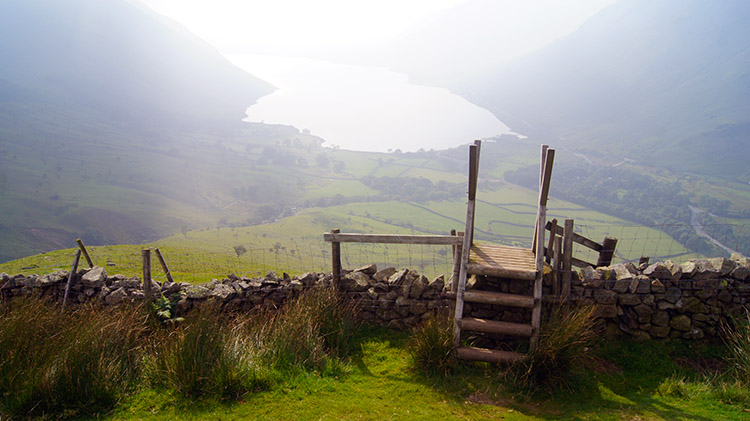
<point>364,108</point>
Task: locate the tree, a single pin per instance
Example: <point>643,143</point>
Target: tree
<point>239,250</point>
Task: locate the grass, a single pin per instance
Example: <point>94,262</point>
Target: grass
<point>221,372</point>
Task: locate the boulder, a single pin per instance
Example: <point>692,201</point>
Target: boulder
<point>724,266</point>
<point>398,278</point>
<point>197,292</point>
<point>688,269</point>
<point>705,271</point>
<point>590,277</point>
<point>417,287</point>
<point>681,323</point>
<point>384,274</point>
<point>658,270</point>
<point>116,296</point>
<point>223,292</point>
<point>674,269</point>
<point>368,270</point>
<point>624,271</point>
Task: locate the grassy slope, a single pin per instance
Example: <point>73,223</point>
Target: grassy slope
<point>380,384</point>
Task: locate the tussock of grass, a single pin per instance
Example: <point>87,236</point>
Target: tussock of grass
<point>80,362</point>
<point>738,341</point>
<point>208,355</point>
<point>562,340</point>
<point>431,346</point>
<point>309,332</point>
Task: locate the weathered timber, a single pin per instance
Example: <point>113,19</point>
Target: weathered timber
<point>163,264</point>
<point>491,326</point>
<point>567,258</point>
<point>471,353</point>
<point>498,298</point>
<point>72,273</point>
<point>146,257</point>
<point>335,260</point>
<point>607,252</point>
<point>85,252</point>
<point>577,238</point>
<point>392,238</point>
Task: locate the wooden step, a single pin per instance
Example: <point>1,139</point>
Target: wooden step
<point>491,326</point>
<point>498,298</point>
<point>488,355</point>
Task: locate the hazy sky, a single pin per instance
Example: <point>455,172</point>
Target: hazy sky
<point>311,27</point>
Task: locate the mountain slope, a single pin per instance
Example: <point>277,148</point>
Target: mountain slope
<point>661,82</point>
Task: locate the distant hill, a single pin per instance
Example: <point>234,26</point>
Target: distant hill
<point>666,83</point>
<point>112,120</point>
<point>118,59</point>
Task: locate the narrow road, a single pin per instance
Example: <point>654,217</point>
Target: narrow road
<point>702,232</point>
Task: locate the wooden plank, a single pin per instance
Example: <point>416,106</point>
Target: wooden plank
<point>491,326</point>
<point>85,252</point>
<point>542,166</point>
<point>548,163</point>
<point>477,269</point>
<point>392,238</point>
<point>580,263</point>
<point>578,238</point>
<point>465,250</point>
<point>471,353</point>
<point>473,171</point>
<point>567,259</point>
<point>608,251</point>
<point>498,298</point>
<point>335,260</point>
<point>536,312</point>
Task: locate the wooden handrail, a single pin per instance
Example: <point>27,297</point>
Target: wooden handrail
<point>578,238</point>
<point>393,238</point>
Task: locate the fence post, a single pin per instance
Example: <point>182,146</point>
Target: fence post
<point>146,255</point>
<point>85,253</point>
<point>557,266</point>
<point>73,270</point>
<point>567,259</point>
<point>551,244</point>
<point>336,260</point>
<point>456,262</point>
<point>163,265</point>
<point>608,251</point>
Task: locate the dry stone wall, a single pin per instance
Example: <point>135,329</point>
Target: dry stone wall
<point>662,300</point>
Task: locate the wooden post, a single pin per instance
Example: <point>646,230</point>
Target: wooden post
<point>164,265</point>
<point>73,271</point>
<point>551,243</point>
<point>567,259</point>
<point>456,263</point>
<point>336,260</point>
<point>85,253</point>
<point>146,255</point>
<point>608,251</point>
<point>542,166</point>
<point>557,265</point>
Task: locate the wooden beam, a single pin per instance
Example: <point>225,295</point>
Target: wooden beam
<point>557,265</point>
<point>392,238</point>
<point>577,238</point>
<point>567,258</point>
<point>471,353</point>
<point>548,163</point>
<point>608,251</point>
<point>335,260</point>
<point>146,256</point>
<point>551,244</point>
<point>498,298</point>
<point>163,264</point>
<point>491,326</point>
<point>473,171</point>
<point>85,252</point>
<point>72,273</point>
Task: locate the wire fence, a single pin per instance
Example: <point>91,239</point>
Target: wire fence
<point>195,265</point>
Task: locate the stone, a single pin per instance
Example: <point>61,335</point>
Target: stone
<point>681,323</point>
<point>628,300</point>
<point>658,270</point>
<point>688,269</point>
<point>606,311</point>
<point>418,308</point>
<point>643,310</point>
<point>308,279</point>
<point>687,303</point>
<point>116,296</point>
<point>606,273</point>
<point>659,331</point>
<point>674,269</point>
<point>368,270</point>
<point>673,294</point>
<point>724,266</point>
<point>223,292</point>
<point>197,292</point>
<point>648,299</point>
<point>355,282</point>
<point>660,318</point>
<point>384,274</point>
<point>372,294</point>
<point>605,296</point>
<point>621,285</point>
<point>398,278</point>
<point>623,271</point>
<point>740,259</point>
<point>741,273</point>
<point>644,285</point>
<point>704,271</point>
<point>657,287</point>
<point>417,287</point>
<point>296,285</point>
<point>94,277</point>
<point>436,285</point>
<point>590,275</point>
<point>665,305</point>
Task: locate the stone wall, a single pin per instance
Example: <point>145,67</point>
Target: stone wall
<point>657,301</point>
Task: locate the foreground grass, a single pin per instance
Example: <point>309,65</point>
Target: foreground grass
<point>620,380</point>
